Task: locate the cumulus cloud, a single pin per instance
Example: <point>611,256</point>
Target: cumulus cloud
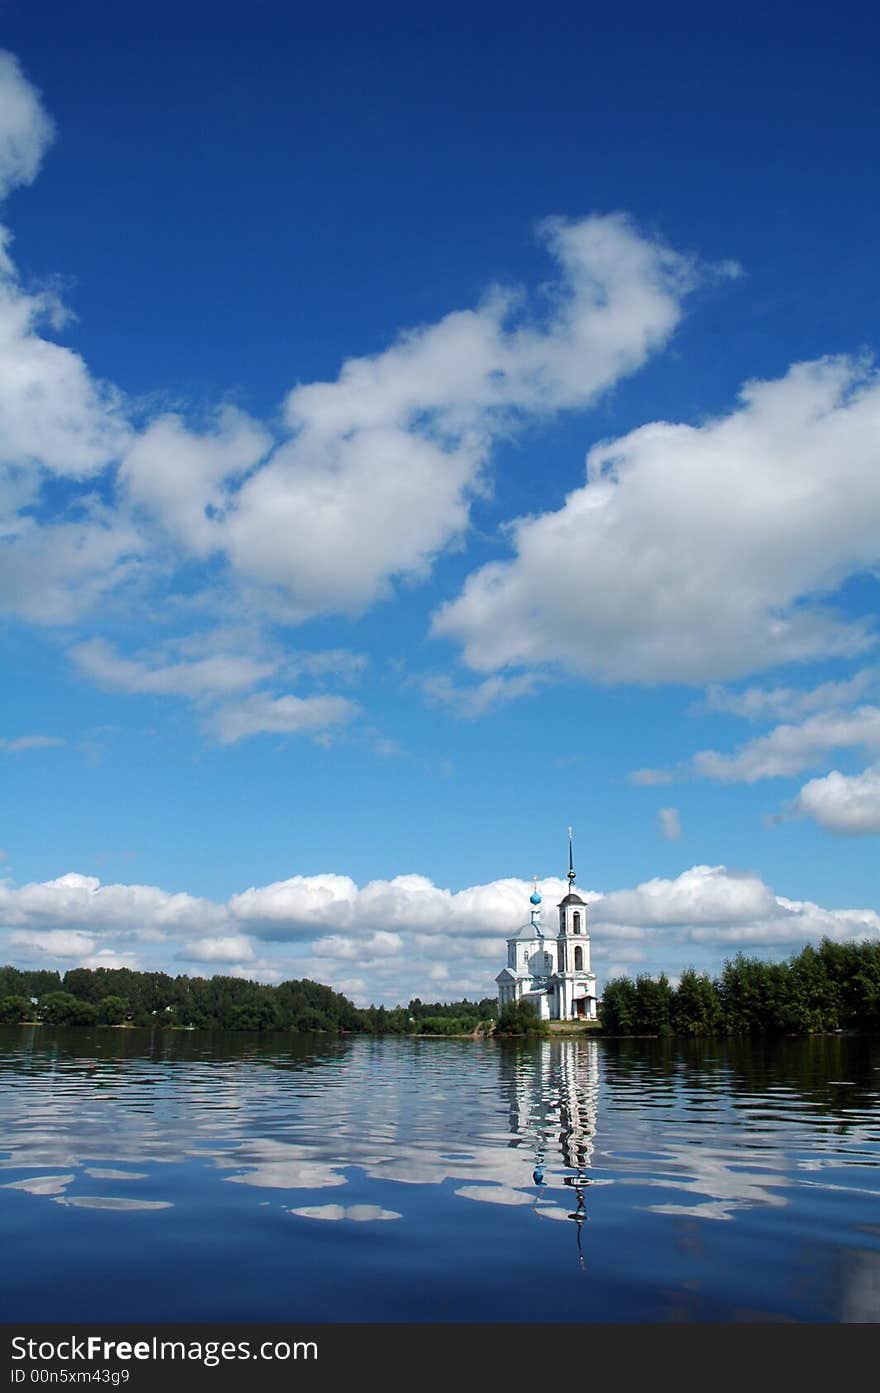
<point>216,675</point>
<point>53,573</point>
<point>788,749</point>
<point>696,553</point>
<point>25,129</point>
<point>285,715</point>
<point>380,944</point>
<point>392,939</point>
<point>375,471</point>
<point>701,895</point>
<point>377,477</point>
<point>372,474</point>
<point>849,804</point>
<point>82,900</point>
<point>184,479</point>
<point>56,943</point>
<point>52,412</point>
<point>229,948</point>
<point>788,703</point>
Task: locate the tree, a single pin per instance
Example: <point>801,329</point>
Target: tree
<point>112,1010</point>
<point>14,1009</point>
<point>653,1006</point>
<point>521,1018</point>
<point>60,1008</point>
<point>696,1009</point>
<point>618,1006</point>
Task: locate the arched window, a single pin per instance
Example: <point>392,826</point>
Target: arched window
<point>576,919</point>
<point>578,958</point>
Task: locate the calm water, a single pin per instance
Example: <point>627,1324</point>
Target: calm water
<point>215,1177</point>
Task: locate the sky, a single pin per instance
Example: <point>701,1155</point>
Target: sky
<point>424,429</point>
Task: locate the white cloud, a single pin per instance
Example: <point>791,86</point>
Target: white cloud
<point>231,948</point>
<point>377,478</point>
<point>787,703</point>
<point>340,664</point>
<point>213,676</point>
<point>52,413</point>
<point>651,778</point>
<point>701,895</point>
<point>25,129</point>
<point>696,553</point>
<point>406,937</point>
<point>83,901</point>
<point>184,480</point>
<point>788,749</point>
<point>669,823</point>
<point>842,803</point>
<point>29,742</point>
<point>619,301</point>
<point>377,470</point>
<point>380,944</point>
<point>285,715</point>
<point>471,702</point>
<point>53,573</point>
<point>56,943</point>
<point>107,958</point>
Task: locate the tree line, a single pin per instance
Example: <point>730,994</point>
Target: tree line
<point>121,996</point>
<point>833,987</point>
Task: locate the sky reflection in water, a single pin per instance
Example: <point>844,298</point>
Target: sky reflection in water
<point>213,1177</point>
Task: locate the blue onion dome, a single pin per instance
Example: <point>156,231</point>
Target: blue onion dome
<point>534,898</point>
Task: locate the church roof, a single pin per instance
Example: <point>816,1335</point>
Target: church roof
<point>527,932</point>
<point>571,898</point>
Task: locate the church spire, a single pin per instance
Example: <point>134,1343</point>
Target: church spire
<point>571,875</point>
<point>535,902</point>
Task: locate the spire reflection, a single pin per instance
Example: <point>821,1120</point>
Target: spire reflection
<point>553,1091</point>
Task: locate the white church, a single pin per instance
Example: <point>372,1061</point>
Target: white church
<point>552,974</point>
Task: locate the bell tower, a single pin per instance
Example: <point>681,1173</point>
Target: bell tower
<point>577,984</point>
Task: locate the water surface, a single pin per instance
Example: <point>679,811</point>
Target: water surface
<point>234,1177</point>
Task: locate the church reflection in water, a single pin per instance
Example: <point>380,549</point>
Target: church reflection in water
<point>553,1092</point>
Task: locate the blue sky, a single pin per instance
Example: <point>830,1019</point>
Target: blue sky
<point>424,428</point>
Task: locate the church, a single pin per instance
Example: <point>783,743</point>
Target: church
<point>552,974</point>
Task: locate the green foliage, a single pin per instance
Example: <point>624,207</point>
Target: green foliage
<point>654,1005</point>
<point>111,1010</point>
<point>696,1008</point>
<point>14,1009</point>
<point>836,985</point>
<point>450,1017</point>
<point>521,1018</point>
<point>15,982</point>
<point>117,996</point>
<point>62,1008</point>
<point>618,1007</point>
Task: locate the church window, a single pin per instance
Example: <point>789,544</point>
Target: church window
<point>579,959</point>
<point>577,921</point>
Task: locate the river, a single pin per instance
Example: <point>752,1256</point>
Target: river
<point>206,1176</point>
